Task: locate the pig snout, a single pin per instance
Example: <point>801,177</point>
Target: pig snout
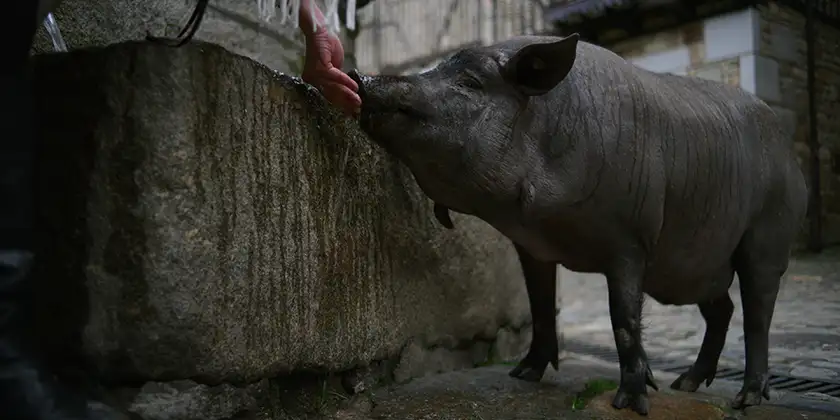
<point>383,95</point>
<point>360,80</point>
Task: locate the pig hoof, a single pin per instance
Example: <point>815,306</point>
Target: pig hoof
<point>529,371</point>
<point>686,383</point>
<point>638,402</point>
<point>751,394</point>
<point>649,381</point>
<point>746,399</point>
<point>690,381</point>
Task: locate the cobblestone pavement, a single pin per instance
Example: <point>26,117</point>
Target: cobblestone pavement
<point>805,334</point>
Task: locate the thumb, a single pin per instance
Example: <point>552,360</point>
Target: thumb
<point>340,77</point>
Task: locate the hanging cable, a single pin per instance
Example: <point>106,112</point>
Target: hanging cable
<point>189,30</point>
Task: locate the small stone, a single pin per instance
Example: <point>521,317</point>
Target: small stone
<point>358,380</point>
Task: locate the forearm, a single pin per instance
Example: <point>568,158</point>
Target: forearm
<point>308,11</point>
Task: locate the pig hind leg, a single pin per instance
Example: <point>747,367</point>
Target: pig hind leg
<point>541,282</point>
<point>760,261</point>
<point>717,313</point>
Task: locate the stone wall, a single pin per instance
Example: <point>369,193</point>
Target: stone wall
<point>203,218</point>
<point>233,24</point>
<point>404,36</point>
<point>763,51</point>
<point>722,48</point>
<point>782,42</point>
<point>696,49</point>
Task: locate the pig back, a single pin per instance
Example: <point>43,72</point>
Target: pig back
<point>724,161</point>
<point>687,162</point>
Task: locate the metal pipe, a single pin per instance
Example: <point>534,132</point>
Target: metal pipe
<point>54,32</point>
<point>479,30</point>
<point>495,21</point>
<point>815,196</point>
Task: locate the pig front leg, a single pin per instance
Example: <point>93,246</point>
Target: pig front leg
<point>625,299</point>
<point>717,313</point>
<point>541,282</point>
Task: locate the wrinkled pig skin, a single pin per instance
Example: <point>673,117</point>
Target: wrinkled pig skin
<point>667,185</point>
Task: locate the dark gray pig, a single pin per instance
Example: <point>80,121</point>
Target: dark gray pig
<point>667,185</point>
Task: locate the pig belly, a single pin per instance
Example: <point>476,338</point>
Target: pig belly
<point>573,251</point>
<point>687,284</point>
<point>692,263</point>
<point>534,243</point>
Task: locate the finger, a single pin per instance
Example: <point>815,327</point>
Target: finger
<point>338,76</point>
<point>323,78</point>
<point>347,92</point>
<point>352,107</point>
<point>352,98</point>
<point>337,96</point>
<point>345,104</point>
<point>348,97</point>
<point>339,92</point>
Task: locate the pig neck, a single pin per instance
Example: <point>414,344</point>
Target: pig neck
<point>543,163</point>
<point>561,138</point>
<point>563,154</point>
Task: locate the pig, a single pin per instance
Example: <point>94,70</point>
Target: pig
<point>667,185</point>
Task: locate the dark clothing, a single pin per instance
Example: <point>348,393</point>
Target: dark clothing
<point>27,390</point>
<point>16,126</point>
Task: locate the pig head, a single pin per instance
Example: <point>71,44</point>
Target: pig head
<point>462,127</point>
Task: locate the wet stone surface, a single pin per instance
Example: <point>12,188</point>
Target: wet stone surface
<point>805,334</point>
<point>489,393</point>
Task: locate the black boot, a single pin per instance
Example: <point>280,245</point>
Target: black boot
<point>27,390</point>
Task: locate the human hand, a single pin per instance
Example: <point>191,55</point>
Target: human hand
<point>322,69</point>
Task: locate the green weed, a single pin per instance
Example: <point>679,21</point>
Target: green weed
<point>592,389</point>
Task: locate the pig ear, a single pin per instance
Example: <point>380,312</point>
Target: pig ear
<point>537,68</point>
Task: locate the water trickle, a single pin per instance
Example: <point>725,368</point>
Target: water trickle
<point>55,34</point>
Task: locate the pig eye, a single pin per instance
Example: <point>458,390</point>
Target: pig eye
<point>470,82</point>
